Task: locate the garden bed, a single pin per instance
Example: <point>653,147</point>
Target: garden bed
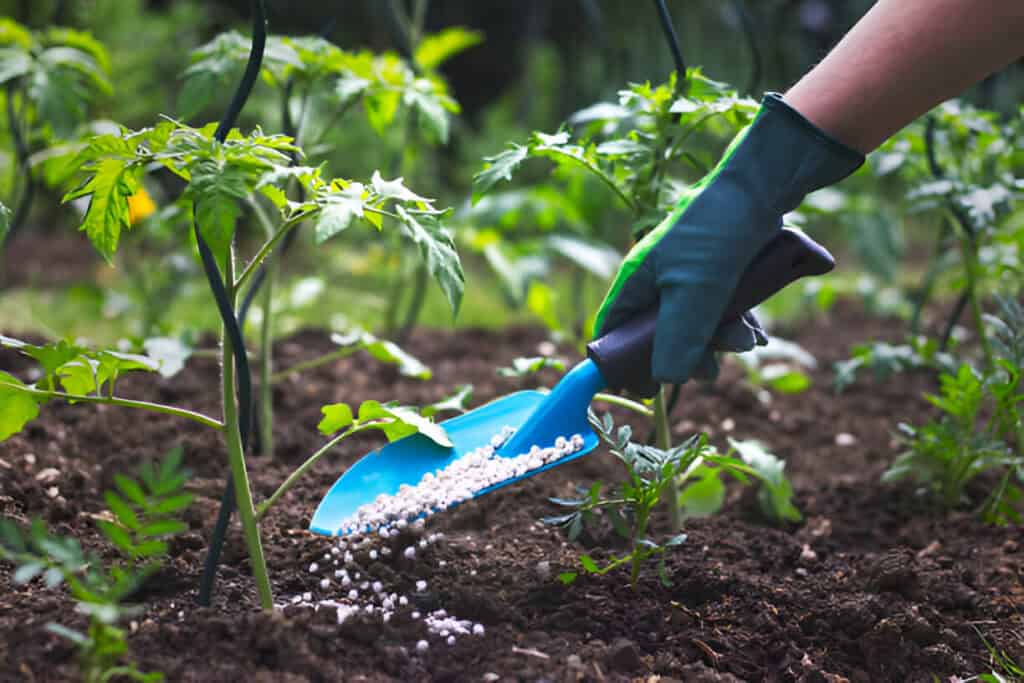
<point>872,586</point>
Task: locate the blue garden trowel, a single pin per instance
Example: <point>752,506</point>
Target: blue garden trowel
<point>620,360</point>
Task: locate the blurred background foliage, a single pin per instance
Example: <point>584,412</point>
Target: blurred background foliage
<point>539,62</point>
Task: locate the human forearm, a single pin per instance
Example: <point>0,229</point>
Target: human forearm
<point>903,58</point>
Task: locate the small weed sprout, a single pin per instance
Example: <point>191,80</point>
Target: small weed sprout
<point>142,515</point>
<point>650,474</point>
<point>979,430</point>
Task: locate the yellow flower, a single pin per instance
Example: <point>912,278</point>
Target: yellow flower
<point>140,206</point>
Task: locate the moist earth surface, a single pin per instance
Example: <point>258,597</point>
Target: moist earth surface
<point>872,585</point>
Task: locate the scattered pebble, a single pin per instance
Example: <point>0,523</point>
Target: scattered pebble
<point>410,553</point>
<point>421,586</point>
<point>451,640</point>
<point>325,583</point>
<point>845,439</point>
<point>422,646</point>
<point>478,629</point>
<point>314,568</point>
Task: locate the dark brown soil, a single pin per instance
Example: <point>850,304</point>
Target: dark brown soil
<point>872,586</point>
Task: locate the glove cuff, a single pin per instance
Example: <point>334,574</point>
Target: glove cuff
<point>784,145</point>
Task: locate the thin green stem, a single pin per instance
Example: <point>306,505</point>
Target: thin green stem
<point>121,402</point>
<point>266,399</point>
<point>262,508</point>
<point>267,248</point>
<point>622,402</point>
<point>310,364</point>
<point>236,458</point>
<point>664,442</point>
<point>626,199</point>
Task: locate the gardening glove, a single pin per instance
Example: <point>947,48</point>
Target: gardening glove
<point>689,265</point>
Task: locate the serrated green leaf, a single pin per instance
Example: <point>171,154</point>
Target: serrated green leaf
<point>437,48</point>
<point>109,188</point>
<point>497,168</point>
<point>567,577</point>
<point>431,109</point>
<point>338,209</point>
<point>588,563</point>
<point>17,407</point>
<point>381,109</point>
<point>337,416</point>
<point>395,189</point>
<point>437,249</point>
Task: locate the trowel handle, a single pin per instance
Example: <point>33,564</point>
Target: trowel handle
<point>624,354</point>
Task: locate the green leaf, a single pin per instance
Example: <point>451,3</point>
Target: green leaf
<point>705,496</point>
<point>776,493</point>
<point>395,189</point>
<point>594,257</point>
<point>497,168</point>
<point>588,563</point>
<point>118,536</point>
<point>400,421</point>
<point>122,511</point>
<point>567,577</point>
<point>384,351</point>
<point>112,182</point>
<point>75,637</point>
<point>79,377</point>
<point>173,504</point>
<point>456,402</point>
<point>14,63</point>
<point>785,379</point>
<point>169,353</point>
<point>5,222</point>
<point>17,408</point>
<point>430,106</point>
<point>521,367</point>
<point>435,49</point>
<point>437,249</point>
<point>131,489</point>
<point>13,33</point>
<point>26,572</point>
<point>337,416</point>
<point>164,527</point>
<point>338,210</point>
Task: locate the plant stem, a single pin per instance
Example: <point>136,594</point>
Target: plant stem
<point>266,400</point>
<point>310,364</point>
<point>664,442</point>
<point>265,250</point>
<point>622,402</point>
<point>262,508</point>
<point>122,402</point>
<point>236,458</point>
<point>971,267</point>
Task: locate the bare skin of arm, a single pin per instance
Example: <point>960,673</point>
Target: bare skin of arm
<point>903,58</point>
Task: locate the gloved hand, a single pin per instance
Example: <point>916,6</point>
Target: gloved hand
<point>690,263</point>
